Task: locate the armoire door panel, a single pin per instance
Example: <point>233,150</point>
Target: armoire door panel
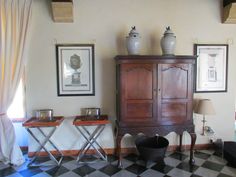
<point>174,109</point>
<point>174,81</point>
<point>139,110</point>
<point>138,81</point>
<point>173,113</point>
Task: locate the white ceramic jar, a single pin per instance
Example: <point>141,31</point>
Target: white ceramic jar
<point>133,42</point>
<point>168,42</point>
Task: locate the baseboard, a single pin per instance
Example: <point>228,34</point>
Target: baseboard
<point>123,150</point>
<point>71,152</point>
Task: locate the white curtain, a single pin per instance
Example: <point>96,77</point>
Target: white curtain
<point>14,23</point>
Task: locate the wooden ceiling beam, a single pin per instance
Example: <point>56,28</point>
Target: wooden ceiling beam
<point>62,10</point>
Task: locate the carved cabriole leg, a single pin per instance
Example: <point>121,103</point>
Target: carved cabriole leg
<point>193,140</point>
<point>118,150</point>
<point>180,142</point>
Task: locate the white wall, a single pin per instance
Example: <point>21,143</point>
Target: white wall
<point>106,23</point>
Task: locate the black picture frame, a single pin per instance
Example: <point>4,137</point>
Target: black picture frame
<point>75,69</point>
<point>211,68</point>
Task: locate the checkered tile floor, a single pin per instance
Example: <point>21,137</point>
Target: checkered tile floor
<point>208,164</point>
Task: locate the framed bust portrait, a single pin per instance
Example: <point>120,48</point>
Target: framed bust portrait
<point>75,69</point>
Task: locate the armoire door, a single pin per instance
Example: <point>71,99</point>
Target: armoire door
<point>138,94</point>
<point>175,89</point>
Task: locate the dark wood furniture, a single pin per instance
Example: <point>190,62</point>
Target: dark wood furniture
<point>155,96</point>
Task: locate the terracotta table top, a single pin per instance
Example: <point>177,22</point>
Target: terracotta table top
<point>34,122</point>
<point>90,120</point>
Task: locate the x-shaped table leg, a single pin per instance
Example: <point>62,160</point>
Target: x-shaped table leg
<point>90,141</point>
<point>42,146</point>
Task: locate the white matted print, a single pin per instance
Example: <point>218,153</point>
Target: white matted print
<point>75,69</point>
<point>211,67</point>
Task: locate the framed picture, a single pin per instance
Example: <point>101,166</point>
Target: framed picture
<point>75,69</point>
<point>211,67</point>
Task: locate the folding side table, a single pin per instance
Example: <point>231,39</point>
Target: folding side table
<point>34,123</point>
<point>82,123</point>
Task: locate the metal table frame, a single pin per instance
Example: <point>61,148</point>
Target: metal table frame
<point>91,137</point>
<point>42,143</point>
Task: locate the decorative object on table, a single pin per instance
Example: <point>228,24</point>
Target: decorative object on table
<point>204,107</point>
<point>211,67</point>
<point>168,42</point>
<point>92,112</point>
<point>75,70</point>
<point>152,148</point>
<point>44,114</point>
<point>133,42</point>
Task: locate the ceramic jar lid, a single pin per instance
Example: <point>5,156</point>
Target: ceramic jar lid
<point>168,31</point>
<point>133,32</point>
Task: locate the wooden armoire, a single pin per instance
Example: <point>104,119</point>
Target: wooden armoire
<point>155,96</point>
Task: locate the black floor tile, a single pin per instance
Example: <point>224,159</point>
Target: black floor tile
<point>193,175</point>
<point>84,170</point>
<point>110,169</point>
<point>56,171</point>
<point>30,172</point>
<point>212,166</point>
<point>111,158</point>
<point>7,171</point>
<point>178,156</point>
<point>67,159</point>
<point>88,158</point>
<point>162,168</point>
<point>218,153</point>
<point>24,152</point>
<point>42,159</point>
<point>231,165</point>
<point>132,157</point>
<point>201,155</point>
<point>136,169</point>
<point>187,167</point>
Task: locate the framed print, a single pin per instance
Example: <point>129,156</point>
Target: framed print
<point>211,67</point>
<point>75,69</point>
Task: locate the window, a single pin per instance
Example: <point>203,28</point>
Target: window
<point>16,111</point>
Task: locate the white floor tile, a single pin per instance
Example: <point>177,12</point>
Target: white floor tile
<point>124,173</point>
<point>229,171</point>
<point>71,165</point>
<point>97,174</point>
<point>70,174</point>
<point>171,162</point>
<point>217,159</point>
<point>206,172</point>
<point>152,173</point>
<point>179,173</point>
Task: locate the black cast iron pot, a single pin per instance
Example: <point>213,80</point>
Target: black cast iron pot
<point>152,148</point>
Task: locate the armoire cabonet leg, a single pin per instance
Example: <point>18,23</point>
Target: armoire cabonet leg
<point>193,140</point>
<point>118,151</point>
